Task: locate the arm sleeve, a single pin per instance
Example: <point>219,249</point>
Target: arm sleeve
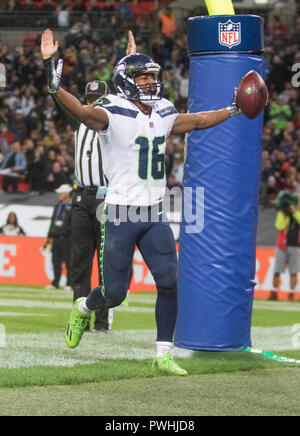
<point>282,221</point>
<point>171,120</point>
<point>21,162</point>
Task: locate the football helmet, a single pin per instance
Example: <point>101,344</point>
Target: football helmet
<point>125,72</point>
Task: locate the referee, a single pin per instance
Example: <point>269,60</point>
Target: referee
<point>85,228</point>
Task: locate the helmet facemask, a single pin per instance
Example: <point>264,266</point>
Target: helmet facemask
<point>150,93</point>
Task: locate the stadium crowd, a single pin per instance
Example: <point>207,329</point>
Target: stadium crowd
<point>33,128</point>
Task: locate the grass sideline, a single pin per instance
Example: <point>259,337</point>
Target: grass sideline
<point>105,365</point>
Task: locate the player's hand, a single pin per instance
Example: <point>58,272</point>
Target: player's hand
<point>233,108</point>
<point>131,46</point>
<point>48,47</point>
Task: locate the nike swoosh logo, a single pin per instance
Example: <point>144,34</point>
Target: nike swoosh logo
<point>160,213</point>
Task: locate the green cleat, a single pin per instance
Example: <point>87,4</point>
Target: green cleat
<point>76,326</point>
<point>167,365</point>
<point>125,302</point>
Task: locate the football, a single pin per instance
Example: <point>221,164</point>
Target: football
<point>252,94</point>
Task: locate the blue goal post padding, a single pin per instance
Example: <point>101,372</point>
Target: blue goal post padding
<point>221,192</point>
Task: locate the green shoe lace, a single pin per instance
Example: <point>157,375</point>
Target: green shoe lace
<point>79,324</point>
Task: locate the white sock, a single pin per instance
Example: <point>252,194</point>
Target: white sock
<point>163,348</point>
<point>82,307</point>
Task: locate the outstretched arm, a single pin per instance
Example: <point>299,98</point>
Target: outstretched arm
<point>204,120</point>
<point>95,119</point>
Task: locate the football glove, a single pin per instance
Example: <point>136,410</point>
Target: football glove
<point>53,74</point>
<point>233,108</point>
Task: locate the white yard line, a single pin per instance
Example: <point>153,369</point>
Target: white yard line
<point>6,302</point>
<point>49,349</point>
<point>42,296</point>
<point>279,306</point>
<point>34,303</point>
<point>20,288</point>
<point>22,314</point>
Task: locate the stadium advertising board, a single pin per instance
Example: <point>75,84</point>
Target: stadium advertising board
<point>23,262</point>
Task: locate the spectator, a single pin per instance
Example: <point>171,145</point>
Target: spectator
<point>85,24</point>
<point>287,252</point>
<point>27,102</point>
<point>62,12</point>
<point>28,6</point>
<point>14,101</point>
<point>280,114</point>
<point>79,6</point>
<point>50,113</point>
<point>94,13</point>
<point>279,74</point>
<point>57,177</point>
<point>109,9</point>
<point>46,12</point>
<point>168,24</point>
<point>46,6</point>
<point>11,5</point>
<point>279,30</point>
<point>59,235</point>
<point>104,71</point>
<point>124,11</point>
<point>28,150</point>
<point>14,165</point>
<point>37,171</point>
<point>12,228</point>
<point>183,83</point>
<point>17,125</point>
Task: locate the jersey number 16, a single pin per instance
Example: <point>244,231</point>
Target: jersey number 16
<point>157,159</point>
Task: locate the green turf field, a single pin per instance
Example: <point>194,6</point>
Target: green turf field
<point>110,374</point>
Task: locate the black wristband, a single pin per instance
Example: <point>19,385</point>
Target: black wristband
<point>47,62</point>
<point>47,66</point>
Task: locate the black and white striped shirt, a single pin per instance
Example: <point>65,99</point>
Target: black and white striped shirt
<point>88,158</point>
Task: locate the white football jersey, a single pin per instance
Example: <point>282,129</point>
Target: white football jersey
<point>133,150</point>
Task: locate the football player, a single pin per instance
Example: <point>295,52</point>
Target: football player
<point>133,127</point>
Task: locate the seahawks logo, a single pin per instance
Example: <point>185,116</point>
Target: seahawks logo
<point>102,102</point>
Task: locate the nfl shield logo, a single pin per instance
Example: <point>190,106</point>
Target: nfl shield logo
<point>230,34</point>
<point>94,86</point>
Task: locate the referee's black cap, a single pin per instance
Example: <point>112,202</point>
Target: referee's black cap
<point>96,87</point>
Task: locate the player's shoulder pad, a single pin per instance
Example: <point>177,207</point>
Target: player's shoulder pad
<point>165,108</point>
